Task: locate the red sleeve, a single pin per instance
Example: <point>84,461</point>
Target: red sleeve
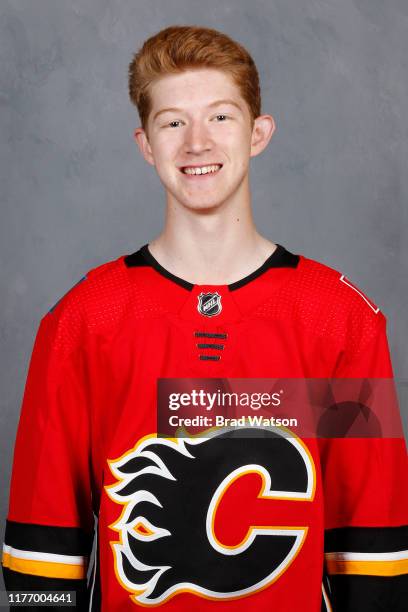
<point>50,520</point>
<point>366,498</point>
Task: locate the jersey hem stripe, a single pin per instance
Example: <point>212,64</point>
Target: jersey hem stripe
<point>367,568</point>
<point>44,568</point>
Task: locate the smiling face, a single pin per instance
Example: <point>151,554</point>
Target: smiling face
<point>200,137</point>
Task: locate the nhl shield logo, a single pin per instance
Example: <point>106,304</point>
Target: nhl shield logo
<point>209,304</point>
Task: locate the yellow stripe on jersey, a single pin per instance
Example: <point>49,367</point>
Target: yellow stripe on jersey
<point>44,564</point>
<point>44,568</point>
<point>368,564</point>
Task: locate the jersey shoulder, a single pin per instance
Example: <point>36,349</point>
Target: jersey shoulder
<point>101,298</point>
<point>336,306</point>
<point>88,287</point>
<point>325,302</point>
<point>333,287</point>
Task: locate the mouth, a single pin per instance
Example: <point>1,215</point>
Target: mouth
<point>204,170</point>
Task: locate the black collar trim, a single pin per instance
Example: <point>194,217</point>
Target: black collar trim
<point>143,258</point>
<point>280,258</point>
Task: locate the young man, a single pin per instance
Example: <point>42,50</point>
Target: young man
<point>216,521</point>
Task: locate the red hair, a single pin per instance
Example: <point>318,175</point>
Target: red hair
<point>178,48</point>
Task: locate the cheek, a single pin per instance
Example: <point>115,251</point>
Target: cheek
<point>240,152</point>
<point>236,140</point>
<point>165,150</point>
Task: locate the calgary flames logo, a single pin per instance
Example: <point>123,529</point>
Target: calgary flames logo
<point>202,515</point>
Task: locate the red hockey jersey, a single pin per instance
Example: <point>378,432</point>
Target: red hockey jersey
<point>222,523</point>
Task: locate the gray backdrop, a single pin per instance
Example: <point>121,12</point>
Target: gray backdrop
<point>75,193</point>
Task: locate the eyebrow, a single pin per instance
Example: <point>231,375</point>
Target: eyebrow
<point>212,105</point>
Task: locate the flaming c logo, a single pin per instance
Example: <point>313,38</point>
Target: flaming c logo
<point>202,515</point>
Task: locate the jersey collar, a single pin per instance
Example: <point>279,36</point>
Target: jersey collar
<point>280,258</point>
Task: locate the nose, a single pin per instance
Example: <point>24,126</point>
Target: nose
<point>197,138</point>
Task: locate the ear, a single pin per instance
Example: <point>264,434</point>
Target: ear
<point>264,127</point>
<point>144,145</point>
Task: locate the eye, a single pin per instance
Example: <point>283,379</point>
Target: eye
<point>175,123</point>
<point>221,117</point>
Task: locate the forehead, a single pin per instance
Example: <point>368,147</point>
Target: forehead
<point>196,87</point>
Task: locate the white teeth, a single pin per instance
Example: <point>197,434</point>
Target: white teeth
<point>202,169</point>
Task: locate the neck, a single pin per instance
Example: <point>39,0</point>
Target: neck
<point>212,246</point>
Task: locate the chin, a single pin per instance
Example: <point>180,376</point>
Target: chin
<point>204,205</point>
<point>205,202</point>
